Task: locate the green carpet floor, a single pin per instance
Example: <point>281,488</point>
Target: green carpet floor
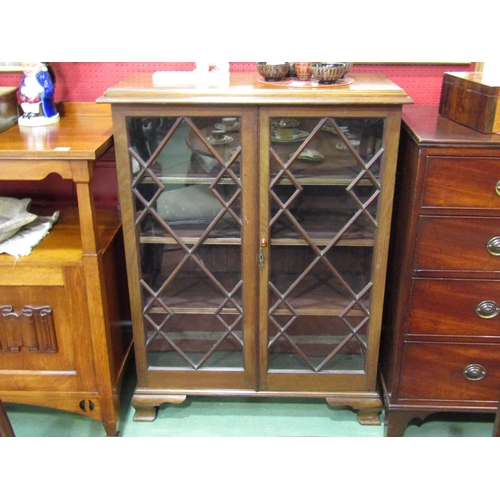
<point>236,417</point>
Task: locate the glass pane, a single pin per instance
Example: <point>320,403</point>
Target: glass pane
<point>187,190</point>
<point>323,199</point>
<point>316,343</point>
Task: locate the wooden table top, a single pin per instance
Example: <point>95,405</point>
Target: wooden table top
<point>245,88</point>
<point>76,136</point>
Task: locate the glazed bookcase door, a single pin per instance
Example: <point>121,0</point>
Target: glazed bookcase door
<point>186,193</point>
<point>321,192</point>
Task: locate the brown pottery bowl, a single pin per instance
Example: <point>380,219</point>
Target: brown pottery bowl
<point>348,67</point>
<point>328,73</point>
<point>273,72</point>
<point>303,70</point>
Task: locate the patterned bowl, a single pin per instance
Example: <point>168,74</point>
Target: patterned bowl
<point>273,72</point>
<point>303,70</point>
<point>348,67</point>
<point>328,73</point>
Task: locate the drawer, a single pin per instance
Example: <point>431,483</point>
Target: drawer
<point>462,182</point>
<point>458,243</point>
<point>455,307</point>
<point>452,372</point>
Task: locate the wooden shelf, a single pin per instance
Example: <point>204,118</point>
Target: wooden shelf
<point>195,294</point>
<point>63,245</point>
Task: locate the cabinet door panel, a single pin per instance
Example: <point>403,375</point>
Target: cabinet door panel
<point>43,333</point>
<point>187,203</point>
<point>321,193</point>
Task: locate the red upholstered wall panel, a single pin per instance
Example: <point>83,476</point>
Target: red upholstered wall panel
<point>86,81</point>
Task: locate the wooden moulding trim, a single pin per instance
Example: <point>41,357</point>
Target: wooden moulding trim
<point>31,276</point>
<point>435,407</point>
<point>19,381</point>
<point>23,167</point>
<point>244,89</point>
<point>263,100</point>
<point>144,392</point>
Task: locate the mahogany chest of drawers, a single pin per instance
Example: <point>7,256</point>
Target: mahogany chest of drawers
<point>440,348</point>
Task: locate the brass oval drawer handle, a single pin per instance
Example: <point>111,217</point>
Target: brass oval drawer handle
<point>474,372</point>
<point>493,246</point>
<point>487,309</point>
<point>497,188</point>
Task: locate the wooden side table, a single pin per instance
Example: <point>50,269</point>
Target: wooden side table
<point>64,308</point>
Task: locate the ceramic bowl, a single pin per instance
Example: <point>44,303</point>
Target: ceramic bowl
<point>348,67</point>
<point>273,72</point>
<point>303,70</point>
<point>328,73</point>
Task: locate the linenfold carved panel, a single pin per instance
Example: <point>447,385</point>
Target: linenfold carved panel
<point>32,328</point>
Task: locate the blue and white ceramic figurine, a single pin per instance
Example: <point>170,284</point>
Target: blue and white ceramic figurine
<point>36,96</point>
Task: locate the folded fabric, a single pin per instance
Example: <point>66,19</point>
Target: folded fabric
<point>29,236</point>
<point>13,216</point>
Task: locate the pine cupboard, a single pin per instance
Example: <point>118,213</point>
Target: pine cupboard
<point>64,313</point>
<point>256,223</point>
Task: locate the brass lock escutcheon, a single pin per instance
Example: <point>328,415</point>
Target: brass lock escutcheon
<point>474,372</point>
<point>487,309</point>
<point>262,260</point>
<point>493,246</point>
<point>497,188</point>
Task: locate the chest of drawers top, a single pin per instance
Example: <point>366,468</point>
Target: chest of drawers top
<point>430,129</point>
<point>448,168</point>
